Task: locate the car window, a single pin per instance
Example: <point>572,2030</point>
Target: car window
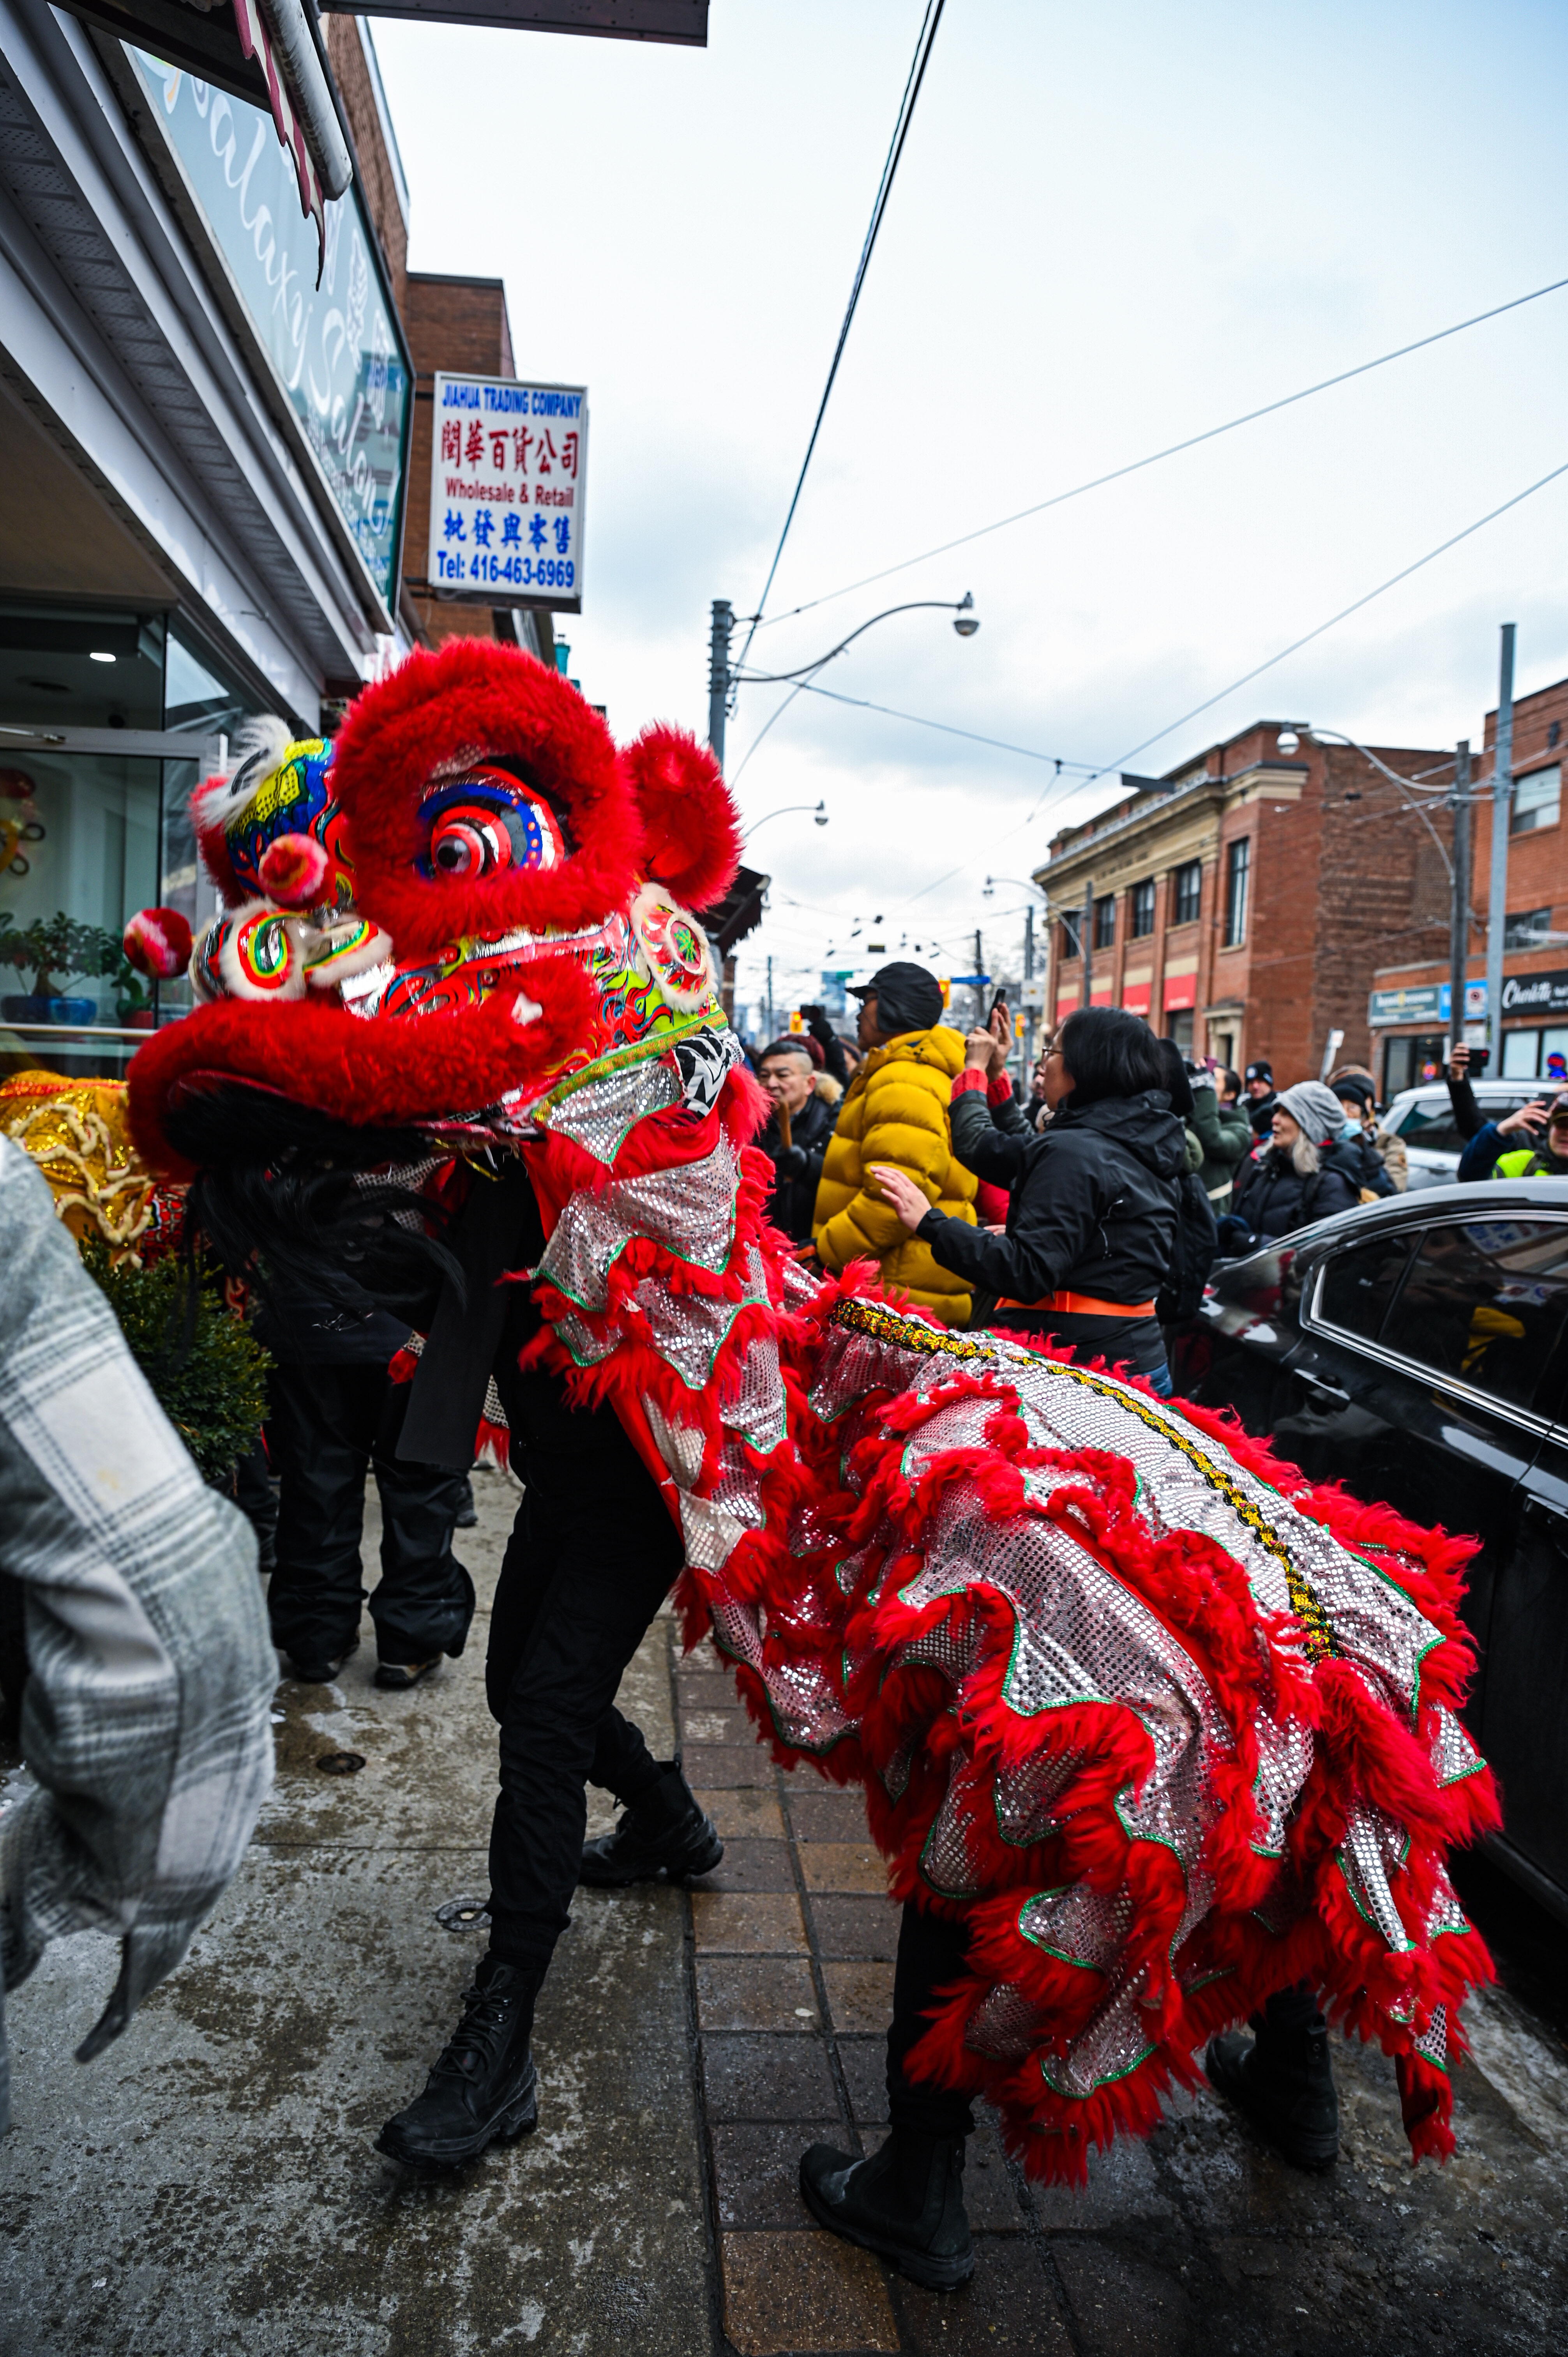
<point>1430,1125</point>
<point>1358,1285</point>
<point>1485,1301</point>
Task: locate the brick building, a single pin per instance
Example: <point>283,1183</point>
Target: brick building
<point>1243,902</point>
<point>1409,1003</point>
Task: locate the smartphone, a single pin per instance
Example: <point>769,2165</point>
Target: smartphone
<point>1479,1059</point>
<point>1000,1000</point>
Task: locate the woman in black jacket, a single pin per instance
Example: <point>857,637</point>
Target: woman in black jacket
<point>1307,1174</point>
<point>1092,1210</point>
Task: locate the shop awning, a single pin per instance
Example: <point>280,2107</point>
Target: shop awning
<point>263,50</point>
<point>685,22</point>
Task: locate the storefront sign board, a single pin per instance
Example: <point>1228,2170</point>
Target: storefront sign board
<point>508,470</point>
<point>1536,993</point>
<point>337,350</point>
<point>1425,1002</point>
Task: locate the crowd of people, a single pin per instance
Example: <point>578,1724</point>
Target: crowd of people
<point>1092,1207</point>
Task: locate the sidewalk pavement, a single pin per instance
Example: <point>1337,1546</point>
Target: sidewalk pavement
<point>209,2184</point>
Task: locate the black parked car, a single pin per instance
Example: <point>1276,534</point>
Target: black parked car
<point>1417,1351</point>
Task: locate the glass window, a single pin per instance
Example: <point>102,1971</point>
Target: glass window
<point>1238,866</point>
<point>1188,893</point>
<point>1521,1050</point>
<point>1071,946</point>
<point>1555,1055</point>
<point>1484,1303</point>
<point>1105,922</point>
<point>1536,800</point>
<point>1520,929</point>
<point>1142,908</point>
<point>1358,1285</point>
<point>87,857</point>
<point>1178,1028</point>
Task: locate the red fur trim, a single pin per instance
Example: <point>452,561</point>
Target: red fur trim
<point>475,698</point>
<point>212,842</point>
<point>376,1075</point>
<point>294,869</point>
<point>690,836</point>
<point>157,941</point>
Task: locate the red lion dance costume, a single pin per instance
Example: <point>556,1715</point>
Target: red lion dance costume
<point>1170,1728</point>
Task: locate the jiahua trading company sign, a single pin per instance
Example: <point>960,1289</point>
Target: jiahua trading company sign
<point>509,466</point>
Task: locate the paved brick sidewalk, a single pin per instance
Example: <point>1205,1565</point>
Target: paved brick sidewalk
<point>1199,2240</point>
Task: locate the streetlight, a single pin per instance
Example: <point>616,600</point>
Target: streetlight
<point>724,680</point>
<point>818,814</point>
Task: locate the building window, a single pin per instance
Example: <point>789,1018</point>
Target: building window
<point>1188,892</point>
<point>1237,864</point>
<point>1536,800</point>
<point>1142,904</point>
<point>1521,927</point>
<point>1071,946</point>
<point>1105,922</point>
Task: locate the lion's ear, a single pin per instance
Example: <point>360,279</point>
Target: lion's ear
<point>690,837</point>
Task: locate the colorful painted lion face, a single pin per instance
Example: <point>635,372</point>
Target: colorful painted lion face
<point>472,852</point>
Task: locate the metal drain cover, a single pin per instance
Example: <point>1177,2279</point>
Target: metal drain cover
<point>341,1764</point>
<point>465,1914</point>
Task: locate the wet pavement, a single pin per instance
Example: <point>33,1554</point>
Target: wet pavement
<point>209,2184</point>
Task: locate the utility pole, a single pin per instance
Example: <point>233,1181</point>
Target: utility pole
<point>1459,922</point>
<point>1087,937</point>
<point>979,986</point>
<point>1502,815</point>
<point>1028,976</point>
<point>772,1033</point>
<point>718,689</point>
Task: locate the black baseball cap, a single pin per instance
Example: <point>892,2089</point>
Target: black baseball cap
<point>908,996</point>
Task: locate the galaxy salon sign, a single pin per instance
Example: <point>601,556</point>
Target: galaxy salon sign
<point>508,465</point>
<point>335,349</point>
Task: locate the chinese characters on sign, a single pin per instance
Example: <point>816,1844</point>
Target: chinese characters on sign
<point>507,469</point>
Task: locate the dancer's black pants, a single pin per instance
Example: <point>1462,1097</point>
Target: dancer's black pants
<point>931,1953</point>
<point>591,1558</point>
<point>325,1424</point>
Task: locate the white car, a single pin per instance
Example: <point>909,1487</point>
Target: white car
<point>1423,1117</point>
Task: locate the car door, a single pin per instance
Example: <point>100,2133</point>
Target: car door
<point>1523,1726</point>
<point>1423,1348</point>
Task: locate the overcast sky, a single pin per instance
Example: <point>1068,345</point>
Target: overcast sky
<point>1112,227</point>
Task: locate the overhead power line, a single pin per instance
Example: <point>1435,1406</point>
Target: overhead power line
<point>1025,752</point>
<point>932,18</point>
<point>1136,466</point>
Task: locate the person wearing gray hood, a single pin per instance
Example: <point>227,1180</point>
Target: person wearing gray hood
<point>1306,1173</point>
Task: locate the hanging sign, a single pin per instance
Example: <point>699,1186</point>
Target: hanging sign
<point>337,348</point>
<point>509,466</point>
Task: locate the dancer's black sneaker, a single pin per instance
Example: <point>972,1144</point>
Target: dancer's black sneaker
<point>319,1669</point>
<point>906,2203</point>
<point>483,2090</point>
<point>398,1676</point>
<point>663,1834</point>
<point>1283,2080</point>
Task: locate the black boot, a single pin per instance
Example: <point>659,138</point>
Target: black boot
<point>906,2203</point>
<point>662,1833</point>
<point>484,2086</point>
<point>1281,2080</point>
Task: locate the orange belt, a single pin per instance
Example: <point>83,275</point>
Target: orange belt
<point>1083,1304</point>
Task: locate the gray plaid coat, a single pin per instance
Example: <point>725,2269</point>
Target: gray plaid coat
<point>145,1721</point>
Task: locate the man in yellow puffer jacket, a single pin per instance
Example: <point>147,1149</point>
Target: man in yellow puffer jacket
<point>895,1110</point>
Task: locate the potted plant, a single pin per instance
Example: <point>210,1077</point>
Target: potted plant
<point>53,948</point>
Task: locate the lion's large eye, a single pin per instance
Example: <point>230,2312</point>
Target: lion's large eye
<point>481,825</point>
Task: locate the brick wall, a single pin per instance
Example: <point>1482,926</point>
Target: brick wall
<point>460,324</point>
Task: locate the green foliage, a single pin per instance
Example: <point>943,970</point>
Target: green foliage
<point>215,1396</point>
<point>54,948</point>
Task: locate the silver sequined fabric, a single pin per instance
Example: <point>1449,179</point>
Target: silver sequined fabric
<point>601,1115</point>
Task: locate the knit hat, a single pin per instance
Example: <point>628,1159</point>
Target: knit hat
<point>1260,1071</point>
<point>1315,1109</point>
<point>1350,1087</point>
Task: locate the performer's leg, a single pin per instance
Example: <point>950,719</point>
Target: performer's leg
<point>424,1602</point>
<point>590,1559</point>
<point>321,1422</point>
<point>1282,2079</point>
<point>906,2201</point>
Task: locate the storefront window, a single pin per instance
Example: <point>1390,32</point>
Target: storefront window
<point>1531,1055</point>
<point>87,837</point>
<point>1409,1059</point>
